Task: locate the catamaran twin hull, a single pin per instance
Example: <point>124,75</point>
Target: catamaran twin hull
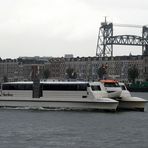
<point>73,105</point>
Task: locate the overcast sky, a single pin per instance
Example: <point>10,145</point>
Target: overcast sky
<point>58,27</point>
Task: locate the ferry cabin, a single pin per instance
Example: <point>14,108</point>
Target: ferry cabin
<point>54,89</point>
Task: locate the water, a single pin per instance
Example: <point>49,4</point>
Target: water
<point>73,129</point>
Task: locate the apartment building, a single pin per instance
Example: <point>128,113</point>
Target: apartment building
<point>56,68</point>
<point>8,70</point>
<point>85,68</point>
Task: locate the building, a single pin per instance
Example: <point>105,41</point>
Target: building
<point>8,70</point>
<point>57,68</point>
<point>84,68</point>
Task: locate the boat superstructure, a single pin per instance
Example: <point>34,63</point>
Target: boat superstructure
<point>68,95</point>
<point>113,88</point>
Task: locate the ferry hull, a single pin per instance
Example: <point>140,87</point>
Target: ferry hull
<point>132,103</point>
<point>46,103</point>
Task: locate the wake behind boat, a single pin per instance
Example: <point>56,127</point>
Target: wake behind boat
<point>67,95</point>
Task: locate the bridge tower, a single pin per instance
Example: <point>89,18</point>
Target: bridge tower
<point>105,31</point>
<point>145,36</point>
<point>106,40</point>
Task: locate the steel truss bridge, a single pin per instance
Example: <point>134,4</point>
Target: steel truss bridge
<point>106,39</point>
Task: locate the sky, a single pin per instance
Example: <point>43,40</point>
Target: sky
<point>58,27</point>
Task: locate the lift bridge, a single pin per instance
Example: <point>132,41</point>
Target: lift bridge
<point>106,39</point>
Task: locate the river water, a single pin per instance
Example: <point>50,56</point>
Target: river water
<point>73,129</point>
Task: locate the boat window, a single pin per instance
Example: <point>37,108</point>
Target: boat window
<point>95,87</point>
<point>8,87</point>
<point>111,85</point>
<point>123,87</point>
<point>17,86</point>
<point>52,87</point>
<point>65,87</point>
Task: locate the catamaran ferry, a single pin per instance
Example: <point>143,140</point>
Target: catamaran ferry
<point>64,95</point>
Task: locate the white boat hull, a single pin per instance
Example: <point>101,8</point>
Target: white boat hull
<point>132,103</point>
<point>63,104</point>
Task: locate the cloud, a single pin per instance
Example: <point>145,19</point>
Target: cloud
<point>59,26</point>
